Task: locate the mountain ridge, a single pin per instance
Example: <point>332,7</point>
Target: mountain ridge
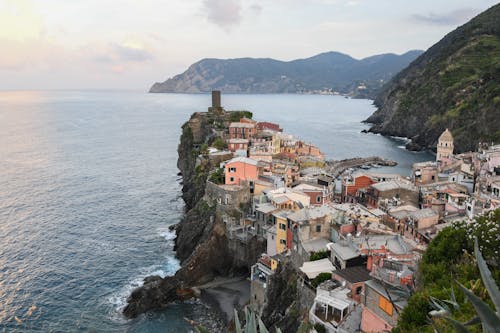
<point>328,71</point>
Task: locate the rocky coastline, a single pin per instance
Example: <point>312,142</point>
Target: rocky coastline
<point>201,244</point>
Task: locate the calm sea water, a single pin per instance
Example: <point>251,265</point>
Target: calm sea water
<point>89,186</point>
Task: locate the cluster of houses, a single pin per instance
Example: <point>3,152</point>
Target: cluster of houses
<point>368,235</point>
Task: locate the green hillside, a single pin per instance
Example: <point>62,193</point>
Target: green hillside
<point>455,85</point>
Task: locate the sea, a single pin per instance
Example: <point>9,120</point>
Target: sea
<point>89,187</point>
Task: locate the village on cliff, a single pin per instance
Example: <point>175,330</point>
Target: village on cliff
<point>357,247</point>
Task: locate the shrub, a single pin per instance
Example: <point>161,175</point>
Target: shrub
<point>319,328</point>
<point>219,143</point>
<point>319,255</point>
<point>320,278</point>
<point>217,176</point>
<point>237,115</point>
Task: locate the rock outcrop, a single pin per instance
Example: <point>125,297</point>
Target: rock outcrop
<point>455,84</point>
<point>282,308</point>
<point>202,244</point>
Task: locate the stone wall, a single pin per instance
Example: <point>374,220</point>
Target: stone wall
<point>229,198</point>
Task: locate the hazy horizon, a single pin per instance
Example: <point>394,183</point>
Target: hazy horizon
<point>129,45</point>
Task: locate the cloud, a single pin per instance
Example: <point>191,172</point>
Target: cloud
<point>129,53</point>
<point>256,8</point>
<point>224,13</point>
<point>456,17</point>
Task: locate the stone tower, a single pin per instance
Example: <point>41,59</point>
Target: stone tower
<point>444,146</point>
<point>216,105</point>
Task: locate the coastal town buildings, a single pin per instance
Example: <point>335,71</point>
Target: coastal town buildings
<point>241,169</point>
<point>365,238</point>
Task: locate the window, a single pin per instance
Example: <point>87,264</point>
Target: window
<point>318,228</point>
<point>282,226</point>
<point>232,169</point>
<point>359,290</point>
<point>231,179</point>
<point>433,177</point>
<point>318,199</point>
<point>283,241</point>
<point>385,305</point>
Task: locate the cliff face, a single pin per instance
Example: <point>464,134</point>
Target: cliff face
<point>455,84</point>
<point>282,308</point>
<point>201,244</point>
<point>331,70</point>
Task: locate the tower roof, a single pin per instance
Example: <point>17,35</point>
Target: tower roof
<point>446,136</point>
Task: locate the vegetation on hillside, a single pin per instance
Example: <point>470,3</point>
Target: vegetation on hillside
<point>449,260</point>
<point>455,85</point>
<point>326,71</point>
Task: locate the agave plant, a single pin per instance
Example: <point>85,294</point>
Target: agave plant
<point>488,318</point>
<point>253,323</point>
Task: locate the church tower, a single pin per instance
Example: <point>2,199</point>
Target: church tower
<point>444,146</point>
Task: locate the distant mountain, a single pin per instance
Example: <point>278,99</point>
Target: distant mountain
<point>455,84</point>
<point>331,71</point>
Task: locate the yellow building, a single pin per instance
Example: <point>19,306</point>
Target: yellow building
<point>444,146</point>
<point>274,264</point>
<point>281,230</point>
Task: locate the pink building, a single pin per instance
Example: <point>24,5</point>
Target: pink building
<point>237,144</point>
<point>241,169</point>
<point>241,130</point>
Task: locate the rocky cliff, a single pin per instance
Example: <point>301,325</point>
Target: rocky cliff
<point>327,71</point>
<point>455,84</point>
<point>202,244</point>
<point>282,308</point>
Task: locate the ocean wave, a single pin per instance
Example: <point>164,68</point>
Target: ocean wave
<point>168,268</point>
<point>168,234</point>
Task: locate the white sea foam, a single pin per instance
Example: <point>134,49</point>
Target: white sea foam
<point>168,234</point>
<point>168,268</point>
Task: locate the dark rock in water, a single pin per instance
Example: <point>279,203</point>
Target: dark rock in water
<point>154,294</point>
<point>364,131</point>
<point>152,279</point>
<point>413,146</point>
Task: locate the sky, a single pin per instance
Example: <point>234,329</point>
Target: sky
<point>130,44</point>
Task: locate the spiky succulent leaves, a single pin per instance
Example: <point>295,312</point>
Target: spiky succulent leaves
<point>453,301</point>
<point>262,327</point>
<point>251,325</point>
<point>201,329</point>
<point>474,321</point>
<point>488,280</point>
<point>278,330</point>
<point>441,309</point>
<point>237,323</point>
<point>459,327</point>
<point>489,319</point>
<point>434,326</point>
